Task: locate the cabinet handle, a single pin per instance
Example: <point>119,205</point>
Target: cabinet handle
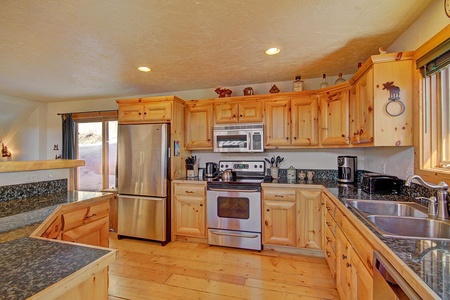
<point>328,254</point>
<point>279,196</point>
<point>344,256</point>
<point>328,209</point>
<point>88,217</point>
<point>189,192</point>
<point>348,265</point>
<point>328,240</point>
<point>328,224</point>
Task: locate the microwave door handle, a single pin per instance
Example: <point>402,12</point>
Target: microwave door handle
<point>250,146</point>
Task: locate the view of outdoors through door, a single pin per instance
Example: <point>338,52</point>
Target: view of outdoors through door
<point>97,146</point>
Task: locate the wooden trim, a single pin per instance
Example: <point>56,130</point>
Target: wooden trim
<point>34,165</point>
<point>432,43</point>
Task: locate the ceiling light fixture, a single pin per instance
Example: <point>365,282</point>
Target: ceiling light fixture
<point>144,69</point>
<point>272,51</point>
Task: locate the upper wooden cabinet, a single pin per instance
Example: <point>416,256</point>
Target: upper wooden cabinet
<point>381,110</point>
<point>147,110</point>
<point>244,111</point>
<point>199,121</point>
<point>292,120</point>
<point>334,113</point>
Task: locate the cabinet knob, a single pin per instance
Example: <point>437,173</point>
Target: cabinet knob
<point>348,265</point>
<point>344,256</point>
<point>295,138</point>
<point>201,204</point>
<point>287,138</point>
<point>267,209</point>
<point>240,116</point>
<point>328,240</point>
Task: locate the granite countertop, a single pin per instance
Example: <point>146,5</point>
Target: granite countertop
<point>430,260</point>
<point>30,265</point>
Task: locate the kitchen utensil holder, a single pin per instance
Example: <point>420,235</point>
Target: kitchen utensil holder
<point>191,170</point>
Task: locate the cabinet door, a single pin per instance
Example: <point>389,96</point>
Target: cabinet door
<point>305,118</point>
<point>199,126</point>
<point>131,113</point>
<point>250,111</point>
<point>279,227</point>
<point>362,280</point>
<point>190,213</point>
<point>226,113</point>
<point>158,111</point>
<point>277,119</point>
<point>95,233</point>
<point>310,219</point>
<point>343,265</point>
<point>361,109</point>
<point>334,108</point>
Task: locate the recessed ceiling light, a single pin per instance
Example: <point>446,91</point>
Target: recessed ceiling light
<point>272,51</point>
<point>144,69</point>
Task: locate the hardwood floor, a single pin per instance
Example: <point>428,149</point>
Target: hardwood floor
<point>146,270</point>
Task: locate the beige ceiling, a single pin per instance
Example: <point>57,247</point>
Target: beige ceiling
<point>56,50</point>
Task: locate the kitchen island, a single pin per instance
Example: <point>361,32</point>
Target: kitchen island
<point>41,268</point>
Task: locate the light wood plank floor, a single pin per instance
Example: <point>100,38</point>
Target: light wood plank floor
<point>146,270</point>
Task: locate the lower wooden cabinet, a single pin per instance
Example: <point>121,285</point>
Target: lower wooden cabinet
<point>85,222</point>
<point>292,217</point>
<point>189,209</point>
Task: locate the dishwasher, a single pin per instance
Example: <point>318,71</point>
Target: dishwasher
<point>388,283</point>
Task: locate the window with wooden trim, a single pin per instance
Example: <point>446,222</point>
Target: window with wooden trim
<point>96,144</point>
<point>435,109</point>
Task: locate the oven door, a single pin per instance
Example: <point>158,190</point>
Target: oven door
<point>234,209</point>
<point>232,141</point>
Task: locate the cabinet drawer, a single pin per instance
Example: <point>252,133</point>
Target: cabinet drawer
<point>330,256</point>
<point>330,207</point>
<point>190,190</point>
<point>331,223</point>
<point>330,239</point>
<point>74,218</point>
<point>98,211</point>
<point>279,194</point>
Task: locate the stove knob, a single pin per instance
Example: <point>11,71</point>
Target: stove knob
<point>226,166</point>
<point>221,166</point>
<point>261,166</point>
<point>256,166</point>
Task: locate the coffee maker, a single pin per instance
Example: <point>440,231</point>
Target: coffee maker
<point>347,167</point>
<point>211,169</point>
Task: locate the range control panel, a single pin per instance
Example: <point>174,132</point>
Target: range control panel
<point>256,166</point>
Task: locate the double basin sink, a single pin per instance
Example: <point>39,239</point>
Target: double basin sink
<point>401,219</point>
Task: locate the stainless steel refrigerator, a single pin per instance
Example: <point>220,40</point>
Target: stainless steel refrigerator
<point>143,162</point>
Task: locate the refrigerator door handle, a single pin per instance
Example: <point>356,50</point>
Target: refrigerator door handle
<point>141,197</point>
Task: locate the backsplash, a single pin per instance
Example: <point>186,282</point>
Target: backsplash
<point>26,190</point>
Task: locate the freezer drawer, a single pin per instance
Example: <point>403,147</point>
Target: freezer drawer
<point>142,217</point>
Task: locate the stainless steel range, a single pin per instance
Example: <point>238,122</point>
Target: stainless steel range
<point>234,207</point>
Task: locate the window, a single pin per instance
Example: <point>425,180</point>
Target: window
<point>96,144</point>
<point>433,148</point>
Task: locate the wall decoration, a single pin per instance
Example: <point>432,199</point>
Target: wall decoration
<point>176,148</point>
<point>394,98</point>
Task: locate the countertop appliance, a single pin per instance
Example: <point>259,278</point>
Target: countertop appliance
<point>234,207</point>
<point>210,169</point>
<point>347,167</point>
<point>143,162</point>
<point>375,183</point>
<point>239,138</point>
<point>388,283</point>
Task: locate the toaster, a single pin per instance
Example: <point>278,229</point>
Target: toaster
<point>375,183</point>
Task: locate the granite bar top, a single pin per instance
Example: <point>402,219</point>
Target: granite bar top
<point>429,259</point>
<point>30,265</point>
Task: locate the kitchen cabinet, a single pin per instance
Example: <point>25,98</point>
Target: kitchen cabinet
<point>292,121</point>
<point>142,111</point>
<point>279,217</point>
<point>334,113</point>
<point>243,111</point>
<point>310,218</point>
<point>199,125</point>
<point>85,222</point>
<point>343,265</point>
<point>189,209</point>
<point>380,88</point>
<point>329,234</point>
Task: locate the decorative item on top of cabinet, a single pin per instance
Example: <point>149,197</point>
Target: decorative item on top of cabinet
<point>274,89</point>
<point>223,92</point>
<point>334,112</point>
<point>198,125</point>
<point>243,111</point>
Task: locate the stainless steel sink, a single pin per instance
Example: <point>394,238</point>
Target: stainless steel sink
<point>414,228</point>
<point>389,208</point>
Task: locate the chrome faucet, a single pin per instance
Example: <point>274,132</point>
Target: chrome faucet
<point>441,194</point>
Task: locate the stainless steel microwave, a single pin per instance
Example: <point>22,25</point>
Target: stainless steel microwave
<point>239,138</point>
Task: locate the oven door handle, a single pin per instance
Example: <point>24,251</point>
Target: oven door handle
<point>231,190</point>
<point>234,234</point>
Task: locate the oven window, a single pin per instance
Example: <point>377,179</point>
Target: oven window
<point>233,207</point>
<point>232,141</point>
